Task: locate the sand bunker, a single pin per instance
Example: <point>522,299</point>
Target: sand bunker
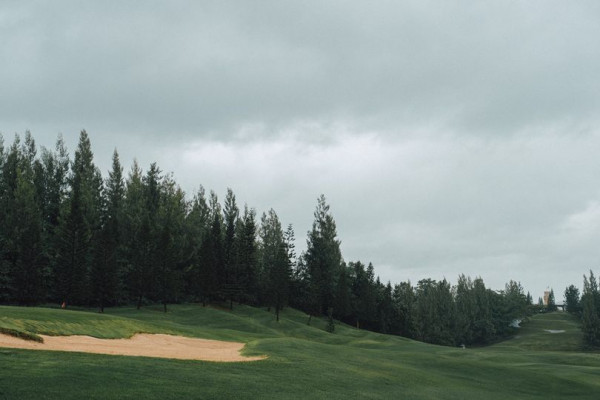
<point>145,345</point>
<point>554,330</point>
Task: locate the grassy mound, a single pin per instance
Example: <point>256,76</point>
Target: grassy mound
<point>304,361</point>
<point>22,335</point>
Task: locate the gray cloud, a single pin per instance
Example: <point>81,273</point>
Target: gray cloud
<point>193,68</point>
<point>448,137</point>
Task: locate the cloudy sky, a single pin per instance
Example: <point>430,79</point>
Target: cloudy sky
<point>448,137</point>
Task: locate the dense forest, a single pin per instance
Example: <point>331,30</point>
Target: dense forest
<point>70,236</point>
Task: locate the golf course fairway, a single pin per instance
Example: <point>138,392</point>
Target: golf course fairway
<point>545,360</point>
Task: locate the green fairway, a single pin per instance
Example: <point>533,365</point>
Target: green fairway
<point>304,361</point>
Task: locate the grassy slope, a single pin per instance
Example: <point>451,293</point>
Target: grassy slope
<point>304,361</point>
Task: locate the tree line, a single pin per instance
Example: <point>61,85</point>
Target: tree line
<point>70,236</point>
<point>587,307</point>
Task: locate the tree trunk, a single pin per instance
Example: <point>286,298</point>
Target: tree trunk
<point>165,305</point>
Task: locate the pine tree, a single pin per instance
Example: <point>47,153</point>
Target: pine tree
<point>230,283</point>
<point>572,303</point>
<point>551,302</point>
<point>196,231</point>
<point>52,175</point>
<point>107,265</point>
<point>275,263</point>
<point>211,253</point>
<point>170,246</point>
<point>343,300</point>
<point>323,257</point>
<point>134,253</point>
<point>404,303</point>
<point>590,317</point>
<point>26,240</point>
<point>247,256</point>
<point>79,223</point>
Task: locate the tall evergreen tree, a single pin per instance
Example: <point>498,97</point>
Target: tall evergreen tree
<point>247,257</point>
<point>590,313</point>
<point>230,283</point>
<point>197,225</point>
<point>107,266</point>
<point>323,257</point>
<point>79,223</point>
<point>211,253</point>
<point>52,176</point>
<point>25,243</point>
<point>274,261</point>
<point>170,246</point>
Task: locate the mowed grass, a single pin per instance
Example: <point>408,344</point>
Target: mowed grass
<point>304,361</point>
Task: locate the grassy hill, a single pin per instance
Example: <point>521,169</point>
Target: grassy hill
<point>304,361</point>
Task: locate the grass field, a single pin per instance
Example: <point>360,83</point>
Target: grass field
<point>304,361</point>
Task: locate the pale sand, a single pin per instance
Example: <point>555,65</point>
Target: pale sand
<point>141,344</point>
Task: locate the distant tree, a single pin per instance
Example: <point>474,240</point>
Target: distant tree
<point>572,303</point>
<point>364,300</point>
<point>384,306</point>
<point>590,317</point>
<point>551,306</point>
<point>434,309</point>
<point>404,303</point>
<point>343,294</point>
<point>529,299</point>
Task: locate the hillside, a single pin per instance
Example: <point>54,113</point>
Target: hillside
<point>304,361</point>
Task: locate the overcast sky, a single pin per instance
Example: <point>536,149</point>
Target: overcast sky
<point>448,137</point>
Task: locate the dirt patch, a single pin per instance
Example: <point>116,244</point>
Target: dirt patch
<point>142,344</point>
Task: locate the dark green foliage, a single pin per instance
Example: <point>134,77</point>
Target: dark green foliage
<point>134,234</point>
<point>196,224</point>
<point>275,265</point>
<point>107,264</point>
<point>78,226</point>
<point>25,244</point>
<point>551,301</point>
<point>74,238</point>
<point>364,304</point>
<point>590,313</point>
<point>343,294</point>
<point>247,258</point>
<point>323,257</point>
<point>230,219</point>
<point>572,303</point>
